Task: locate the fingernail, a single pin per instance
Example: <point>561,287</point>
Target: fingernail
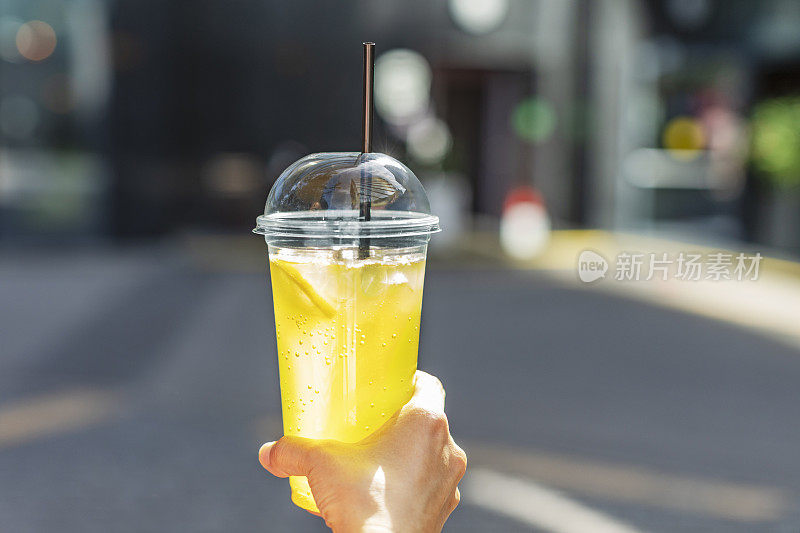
<point>263,453</point>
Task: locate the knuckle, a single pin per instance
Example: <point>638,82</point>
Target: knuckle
<point>439,424</point>
<point>297,454</point>
<point>459,453</point>
<point>413,412</point>
<point>459,461</point>
<point>421,415</point>
<point>277,452</point>
<point>431,423</point>
<point>436,382</point>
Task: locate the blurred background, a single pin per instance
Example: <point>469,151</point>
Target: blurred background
<point>139,139</point>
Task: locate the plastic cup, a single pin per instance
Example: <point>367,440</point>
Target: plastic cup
<point>347,293</point>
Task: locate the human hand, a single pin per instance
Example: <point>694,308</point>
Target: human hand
<point>402,478</point>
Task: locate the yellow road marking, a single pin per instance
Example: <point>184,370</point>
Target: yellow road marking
<point>634,484</point>
<point>49,414</point>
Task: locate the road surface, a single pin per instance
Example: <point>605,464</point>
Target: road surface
<point>137,386</point>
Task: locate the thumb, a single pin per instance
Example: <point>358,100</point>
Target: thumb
<point>289,456</point>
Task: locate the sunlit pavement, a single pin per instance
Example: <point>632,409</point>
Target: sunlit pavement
<point>137,385</point>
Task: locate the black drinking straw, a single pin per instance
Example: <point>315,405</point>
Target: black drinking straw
<point>365,196</point>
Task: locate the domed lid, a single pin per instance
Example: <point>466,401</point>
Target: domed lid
<point>321,195</point>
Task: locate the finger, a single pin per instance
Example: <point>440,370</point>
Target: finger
<point>428,392</point>
<point>289,456</point>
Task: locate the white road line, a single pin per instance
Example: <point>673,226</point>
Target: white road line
<point>536,505</point>
<point>635,484</point>
<point>49,414</point>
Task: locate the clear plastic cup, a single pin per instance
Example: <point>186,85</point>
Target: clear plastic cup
<point>347,293</point>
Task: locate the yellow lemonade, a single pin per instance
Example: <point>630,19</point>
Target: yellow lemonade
<point>348,333</point>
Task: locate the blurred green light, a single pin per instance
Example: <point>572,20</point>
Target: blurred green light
<point>776,140</point>
<point>534,119</point>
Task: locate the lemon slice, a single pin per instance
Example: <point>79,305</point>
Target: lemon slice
<point>303,284</point>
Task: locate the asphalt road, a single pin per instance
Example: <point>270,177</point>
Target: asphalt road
<point>659,420</point>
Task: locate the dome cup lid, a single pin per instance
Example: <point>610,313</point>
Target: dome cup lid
<point>319,196</point>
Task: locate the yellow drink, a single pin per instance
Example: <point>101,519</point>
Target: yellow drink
<point>348,333</point>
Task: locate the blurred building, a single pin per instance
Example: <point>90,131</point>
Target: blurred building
<point>132,119</point>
